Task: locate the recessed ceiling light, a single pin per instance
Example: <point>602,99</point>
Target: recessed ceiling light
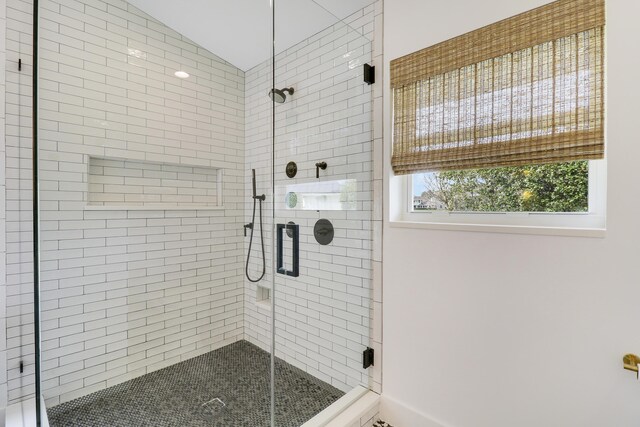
<point>181,74</point>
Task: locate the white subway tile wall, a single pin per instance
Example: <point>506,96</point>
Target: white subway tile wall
<point>3,216</point>
<point>123,292</point>
<point>323,316</point>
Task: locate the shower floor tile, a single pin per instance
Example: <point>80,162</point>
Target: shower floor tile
<point>228,387</point>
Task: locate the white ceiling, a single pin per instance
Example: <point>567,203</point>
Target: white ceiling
<point>239,31</point>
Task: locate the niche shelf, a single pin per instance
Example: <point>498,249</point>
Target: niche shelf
<point>336,195</point>
<point>121,184</point>
<point>263,297</point>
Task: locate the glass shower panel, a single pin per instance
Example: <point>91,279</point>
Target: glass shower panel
<point>16,184</point>
<point>323,212</point>
<point>145,190</point>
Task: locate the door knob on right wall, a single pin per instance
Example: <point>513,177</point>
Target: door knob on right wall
<point>631,362</point>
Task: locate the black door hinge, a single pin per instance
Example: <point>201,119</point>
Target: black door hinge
<point>367,358</point>
<point>369,74</point>
<point>21,367</point>
<point>20,64</point>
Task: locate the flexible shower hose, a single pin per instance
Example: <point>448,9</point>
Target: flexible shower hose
<point>264,262</point>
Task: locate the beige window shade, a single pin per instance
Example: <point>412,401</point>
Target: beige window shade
<point>525,90</point>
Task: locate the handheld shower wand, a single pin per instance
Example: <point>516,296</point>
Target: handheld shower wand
<point>262,197</point>
<point>250,226</point>
<point>253,182</point>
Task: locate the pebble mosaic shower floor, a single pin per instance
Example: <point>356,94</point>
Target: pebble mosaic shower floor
<point>228,387</point>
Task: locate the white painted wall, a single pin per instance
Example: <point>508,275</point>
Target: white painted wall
<point>501,330</point>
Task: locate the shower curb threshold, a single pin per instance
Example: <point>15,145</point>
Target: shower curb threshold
<point>22,414</point>
<point>346,410</point>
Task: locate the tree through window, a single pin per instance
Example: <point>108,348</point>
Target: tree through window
<point>561,187</point>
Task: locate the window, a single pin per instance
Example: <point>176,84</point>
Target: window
<point>558,187</point>
<point>506,119</point>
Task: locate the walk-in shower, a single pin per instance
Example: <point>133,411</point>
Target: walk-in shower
<point>155,307</point>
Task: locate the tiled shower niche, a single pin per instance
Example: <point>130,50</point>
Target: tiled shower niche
<point>120,183</point>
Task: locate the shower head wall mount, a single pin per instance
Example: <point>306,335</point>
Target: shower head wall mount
<point>279,96</point>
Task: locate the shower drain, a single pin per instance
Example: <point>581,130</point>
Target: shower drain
<point>214,406</point>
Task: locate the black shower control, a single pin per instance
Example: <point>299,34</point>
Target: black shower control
<point>320,165</point>
<point>323,231</point>
<point>249,226</point>
<point>292,169</point>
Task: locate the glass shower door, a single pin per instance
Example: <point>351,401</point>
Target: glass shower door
<point>205,218</point>
<point>322,206</point>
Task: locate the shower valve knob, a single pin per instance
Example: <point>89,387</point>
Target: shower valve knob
<point>320,165</point>
<point>247,226</point>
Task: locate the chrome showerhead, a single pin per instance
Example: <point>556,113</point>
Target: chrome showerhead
<point>278,95</point>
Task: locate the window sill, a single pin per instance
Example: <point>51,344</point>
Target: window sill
<point>508,229</point>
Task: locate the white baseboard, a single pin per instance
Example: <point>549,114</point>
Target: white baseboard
<point>23,414</point>
<point>399,415</point>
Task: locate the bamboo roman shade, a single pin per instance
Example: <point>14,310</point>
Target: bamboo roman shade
<point>525,90</point>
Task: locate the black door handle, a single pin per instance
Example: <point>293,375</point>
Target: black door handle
<point>293,230</point>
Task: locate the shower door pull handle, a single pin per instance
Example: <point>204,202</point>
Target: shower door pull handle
<point>294,230</point>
